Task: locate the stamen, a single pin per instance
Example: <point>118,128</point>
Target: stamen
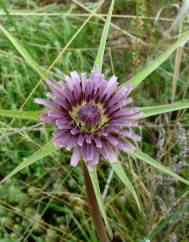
<point>89,114</point>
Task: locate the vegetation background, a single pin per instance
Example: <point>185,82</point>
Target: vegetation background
<point>47,201</point>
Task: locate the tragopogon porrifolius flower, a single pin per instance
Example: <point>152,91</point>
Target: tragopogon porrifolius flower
<point>92,117</point>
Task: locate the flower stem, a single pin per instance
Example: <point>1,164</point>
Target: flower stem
<point>97,219</point>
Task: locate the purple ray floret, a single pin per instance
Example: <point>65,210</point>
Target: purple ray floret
<point>92,117</point>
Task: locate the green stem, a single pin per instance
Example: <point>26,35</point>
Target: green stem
<point>97,219</point>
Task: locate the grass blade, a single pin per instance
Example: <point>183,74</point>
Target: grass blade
<point>94,180</point>
<point>9,16</point>
<point>138,78</point>
<point>166,221</point>
<point>155,110</point>
<point>146,158</point>
<point>24,53</point>
<point>39,154</point>
<point>123,177</point>
<point>100,54</point>
<point>29,115</point>
<point>99,61</point>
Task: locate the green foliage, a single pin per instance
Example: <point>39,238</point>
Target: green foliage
<point>100,55</point>
<point>146,158</point>
<point>95,183</point>
<point>23,51</point>
<point>155,110</point>
<point>39,154</point>
<point>29,115</point>
<point>123,177</point>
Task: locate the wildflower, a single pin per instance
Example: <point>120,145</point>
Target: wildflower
<point>92,117</point>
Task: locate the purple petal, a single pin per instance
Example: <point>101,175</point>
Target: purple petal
<point>76,78</point>
<point>124,112</point>
<point>70,142</point>
<point>95,155</point>
<point>68,94</point>
<point>97,142</point>
<point>77,94</point>
<point>62,124</point>
<point>56,114</point>
<point>116,106</point>
<point>126,146</point>
<point>76,85</point>
<point>123,92</point>
<point>45,119</point>
<point>75,130</point>
<point>128,89</point>
<point>134,116</point>
<point>111,87</point>
<point>48,104</point>
<point>100,94</point>
<point>61,140</point>
<point>89,152</point>
<point>65,126</point>
<point>112,139</point>
<point>128,100</point>
<point>75,157</point>
<point>81,139</point>
<point>96,82</point>
<point>130,134</point>
<point>103,133</point>
<point>124,123</point>
<point>50,95</point>
<point>92,74</point>
<point>83,81</point>
<point>62,102</point>
<point>54,86</point>
<point>88,138</point>
<point>109,153</point>
<point>89,89</point>
<point>69,82</point>
<point>116,97</point>
<point>59,132</point>
<point>84,152</point>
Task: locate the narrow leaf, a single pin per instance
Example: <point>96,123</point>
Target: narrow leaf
<point>23,52</point>
<point>39,154</point>
<point>100,54</point>
<point>138,78</point>
<point>29,115</point>
<point>123,177</point>
<point>155,110</point>
<point>94,180</point>
<point>99,61</point>
<point>11,19</point>
<point>146,158</point>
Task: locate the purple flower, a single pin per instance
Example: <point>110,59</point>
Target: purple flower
<point>92,117</point>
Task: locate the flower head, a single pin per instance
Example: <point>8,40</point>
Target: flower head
<point>92,117</point>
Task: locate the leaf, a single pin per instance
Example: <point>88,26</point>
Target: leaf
<point>23,52</point>
<point>146,158</point>
<point>138,78</point>
<point>39,154</point>
<point>29,115</point>
<point>100,54</point>
<point>123,177</point>
<point>74,219</point>
<point>155,110</point>
<point>13,23</point>
<point>99,61</point>
<point>94,180</point>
